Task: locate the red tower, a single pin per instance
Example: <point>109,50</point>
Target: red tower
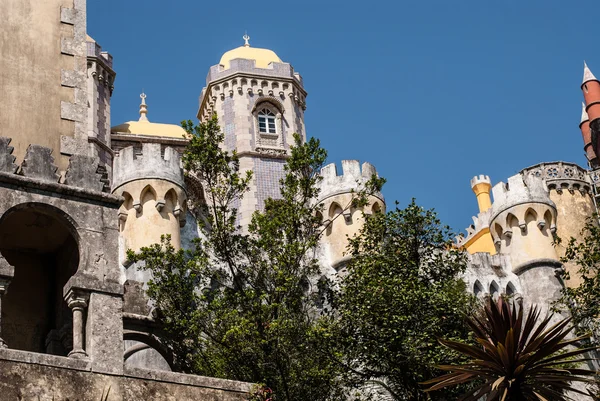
<point>590,119</point>
<point>586,134</point>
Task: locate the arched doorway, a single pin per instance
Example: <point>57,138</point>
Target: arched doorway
<point>41,244</point>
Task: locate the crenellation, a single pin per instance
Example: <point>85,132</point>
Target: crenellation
<point>39,164</point>
<point>7,160</point>
<point>150,163</point>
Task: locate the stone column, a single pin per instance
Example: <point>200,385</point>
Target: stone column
<point>7,272</point>
<point>78,301</point>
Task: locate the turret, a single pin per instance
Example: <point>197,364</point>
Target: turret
<point>591,93</point>
<point>340,220</point>
<point>153,187</point>
<point>481,186</point>
<point>478,237</point>
<point>523,220</point>
<point>586,134</point>
<point>523,223</point>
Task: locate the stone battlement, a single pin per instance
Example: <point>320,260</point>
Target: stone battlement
<point>480,222</point>
<point>519,190</point>
<point>353,176</point>
<point>480,179</point>
<point>150,164</point>
<point>82,172</point>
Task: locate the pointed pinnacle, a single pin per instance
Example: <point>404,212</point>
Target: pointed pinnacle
<point>587,74</point>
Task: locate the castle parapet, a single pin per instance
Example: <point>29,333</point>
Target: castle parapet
<point>561,176</point>
<point>150,164</point>
<point>353,177</point>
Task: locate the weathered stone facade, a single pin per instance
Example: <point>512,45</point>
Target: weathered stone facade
<point>75,324</point>
<point>534,207</point>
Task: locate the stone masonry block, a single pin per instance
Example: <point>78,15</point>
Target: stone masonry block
<point>72,79</point>
<point>7,160</point>
<point>67,15</point>
<point>72,112</point>
<point>39,164</point>
<point>68,46</point>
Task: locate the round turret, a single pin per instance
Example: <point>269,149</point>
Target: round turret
<point>342,220</point>
<point>523,220</point>
<point>153,187</point>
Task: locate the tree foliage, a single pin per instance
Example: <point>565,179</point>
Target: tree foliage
<point>583,301</point>
<point>242,305</point>
<point>517,358</point>
<point>401,294</point>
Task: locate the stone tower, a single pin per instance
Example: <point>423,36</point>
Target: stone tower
<point>590,121</point>
<point>49,70</point>
<point>260,102</point>
<point>341,220</point>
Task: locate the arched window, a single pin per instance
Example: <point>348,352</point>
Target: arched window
<point>266,122</point>
<point>494,290</point>
<point>510,289</point>
<point>478,289</point>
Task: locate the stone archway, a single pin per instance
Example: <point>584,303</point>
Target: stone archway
<point>41,243</point>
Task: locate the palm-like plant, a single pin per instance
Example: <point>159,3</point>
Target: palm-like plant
<point>517,358</point>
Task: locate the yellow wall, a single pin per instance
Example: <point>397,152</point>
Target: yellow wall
<point>145,227</point>
<point>481,242</point>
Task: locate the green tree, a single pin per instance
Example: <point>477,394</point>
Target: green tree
<point>401,294</point>
<point>518,357</point>
<point>583,301</point>
<point>242,305</point>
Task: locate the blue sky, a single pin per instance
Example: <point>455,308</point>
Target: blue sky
<point>430,92</point>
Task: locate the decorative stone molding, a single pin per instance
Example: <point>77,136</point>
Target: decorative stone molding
<point>271,151</point>
<point>560,176</point>
<point>7,160</point>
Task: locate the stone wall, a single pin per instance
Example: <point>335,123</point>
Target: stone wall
<point>43,75</point>
<point>28,376</point>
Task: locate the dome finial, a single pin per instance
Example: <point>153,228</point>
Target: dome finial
<point>143,108</point>
<point>246,39</point>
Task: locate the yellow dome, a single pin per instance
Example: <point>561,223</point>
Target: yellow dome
<point>150,129</point>
<point>263,57</point>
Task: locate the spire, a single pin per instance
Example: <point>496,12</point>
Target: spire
<point>584,114</point>
<point>246,40</point>
<point>143,108</point>
<point>587,74</point>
